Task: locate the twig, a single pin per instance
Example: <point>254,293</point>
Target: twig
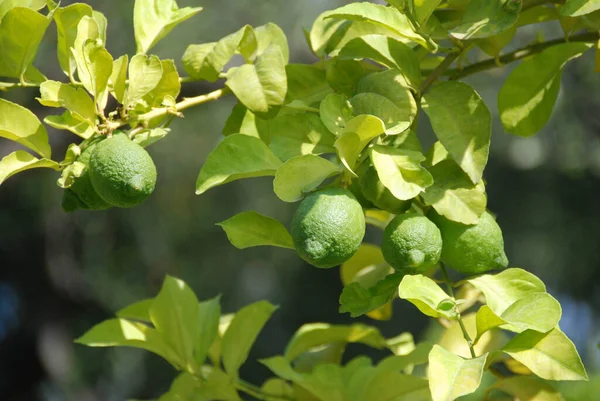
<point>438,71</point>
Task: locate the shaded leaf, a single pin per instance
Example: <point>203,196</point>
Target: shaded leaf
<point>118,78</point>
<point>248,229</point>
<point>299,134</point>
<point>307,83</point>
<point>358,300</point>
<point>527,389</point>
<point>335,112</point>
<point>209,313</point>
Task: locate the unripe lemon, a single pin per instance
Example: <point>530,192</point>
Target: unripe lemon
<point>328,227</point>
<point>411,243</point>
<point>122,172</point>
<point>81,194</point>
<point>374,191</point>
<point>472,249</point>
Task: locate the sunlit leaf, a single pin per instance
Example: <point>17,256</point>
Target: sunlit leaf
<point>484,18</point>
<point>299,134</point>
<point>356,135</point>
<point>145,72</point>
<point>335,112</point>
<point>426,295</point>
<point>76,100</point>
<point>248,229</point>
<point>68,122</point>
<point>118,78</point>
<point>576,8</point>
<point>307,83</point>
<point>300,175</point>
<point>358,300</point>
<point>20,125</point>
<point>67,18</point>
<point>20,160</point>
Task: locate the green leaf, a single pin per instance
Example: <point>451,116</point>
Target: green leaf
<point>325,30</point>
<point>576,8</point>
<point>418,355</point>
<point>376,14</point>
<point>538,311</point>
<point>424,9</point>
<point>153,19</point>
<point>307,83</point>
<point>6,5</point>
<point>243,121</point>
<point>20,160</point>
<point>400,171</point>
<point>148,137</point>
<point>94,67</point>
<point>207,61</point>
<point>137,311</point>
<point>67,18</point>
<point>167,87</point>
<point>123,333</point>
<point>241,334</point>
<point>299,134</point>
<point>21,31</point>
<point>344,75</point>
<point>484,18</point>
<point>453,195</point>
<point>76,100</point>
<point>388,52</point>
<point>209,313</point>
<point>174,313</point>
<point>358,300</point>
<point>218,386</point>
<point>426,295</point>
<point>22,126</point>
<point>357,134</point>
<point>248,229</point>
<point>335,112</point>
<point>237,156</point>
<point>551,356</point>
<point>145,72</point>
<point>505,288</point>
<point>271,34</point>
<point>528,96</point>
<point>451,376</point>
<point>387,96</point>
<point>118,78</point>
<point>486,320</point>
<point>462,123</point>
<point>260,87</point>
<point>527,388</point>
<point>314,335</point>
<point>278,388</point>
<point>68,122</point>
<point>300,175</point>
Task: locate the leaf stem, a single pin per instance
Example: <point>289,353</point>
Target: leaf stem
<point>6,86</point>
<point>466,335</point>
<point>516,55</point>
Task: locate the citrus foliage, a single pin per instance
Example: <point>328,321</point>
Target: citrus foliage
<point>339,136</point>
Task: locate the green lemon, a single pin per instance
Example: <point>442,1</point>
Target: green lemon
<point>374,191</point>
<point>81,194</point>
<point>328,227</point>
<point>122,172</point>
<point>472,249</point>
<point>412,243</point>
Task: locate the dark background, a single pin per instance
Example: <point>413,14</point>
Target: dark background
<point>61,273</point>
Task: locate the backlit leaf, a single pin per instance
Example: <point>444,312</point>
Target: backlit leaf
<point>76,100</point>
<point>20,160</point>
<point>425,294</point>
<point>20,125</point>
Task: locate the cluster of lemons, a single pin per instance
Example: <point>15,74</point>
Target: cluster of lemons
<point>329,225</point>
<point>118,172</point>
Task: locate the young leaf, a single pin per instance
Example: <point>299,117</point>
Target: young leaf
<point>335,112</point>
<point>237,156</point>
<point>94,67</point>
<point>209,313</point>
<point>148,137</point>
<point>68,122</point>
<point>484,18</point>
<point>453,195</point>
<point>527,388</point>
<point>451,376</point>
<point>300,175</point>
<point>67,18</point>
<point>206,61</point>
<point>576,8</point>
<point>376,14</point>
<point>241,334</point>
<point>76,100</point>
<point>153,19</point>
<point>505,288</point>
<point>20,160</point>
<point>118,78</point>
<point>426,295</point>
<point>167,86</point>
<point>462,123</point>
<point>123,333</point>
<point>248,229</point>
<point>22,126</point>
<point>174,313</point>
<point>299,134</point>
<point>145,72</point>
<point>315,335</point>
<point>400,171</point>
<point>551,356</point>
<point>357,134</point>
<point>260,87</point>
<point>386,51</point>
<point>358,300</point>
<point>528,96</point>
<point>21,31</point>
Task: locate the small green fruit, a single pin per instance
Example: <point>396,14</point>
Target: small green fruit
<point>122,172</point>
<point>328,227</point>
<point>412,243</point>
<point>472,249</point>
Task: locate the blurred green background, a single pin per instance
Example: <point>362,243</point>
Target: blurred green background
<point>61,273</point>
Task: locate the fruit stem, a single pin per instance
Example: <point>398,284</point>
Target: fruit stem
<point>466,335</point>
